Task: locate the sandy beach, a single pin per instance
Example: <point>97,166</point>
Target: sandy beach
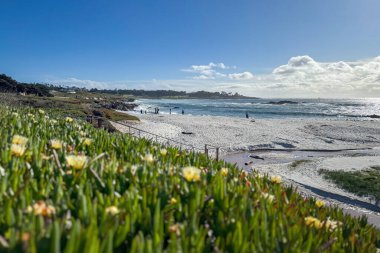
<point>320,144</point>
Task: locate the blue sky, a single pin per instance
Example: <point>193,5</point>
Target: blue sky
<point>168,43</point>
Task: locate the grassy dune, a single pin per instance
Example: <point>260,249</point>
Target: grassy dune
<point>363,183</point>
<point>67,187</point>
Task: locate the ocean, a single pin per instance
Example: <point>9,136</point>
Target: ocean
<point>266,108</point>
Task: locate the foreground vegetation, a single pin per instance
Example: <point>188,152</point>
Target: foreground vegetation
<point>362,183</point>
<point>67,187</point>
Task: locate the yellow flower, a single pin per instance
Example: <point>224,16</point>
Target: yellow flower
<point>41,111</point>
<point>275,179</point>
<point>68,119</point>
<point>56,144</point>
<point>268,196</point>
<point>112,210</point>
<point>175,229</point>
<point>332,225</point>
<point>15,114</point>
<point>319,203</point>
<point>173,201</point>
<point>76,162</point>
<point>243,174</point>
<point>18,139</point>
<point>163,152</point>
<point>313,222</point>
<point>30,115</point>
<point>87,141</point>
<point>81,133</point>
<point>18,150</point>
<point>41,208</point>
<point>45,157</point>
<point>224,171</point>
<point>53,121</point>
<point>148,158</point>
<point>191,173</point>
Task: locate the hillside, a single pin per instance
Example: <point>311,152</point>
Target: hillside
<point>8,85</point>
<point>67,187</point>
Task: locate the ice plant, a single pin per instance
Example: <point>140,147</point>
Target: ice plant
<point>87,141</point>
<point>112,210</point>
<point>41,111</point>
<point>313,222</point>
<point>56,144</point>
<point>173,201</point>
<point>319,203</point>
<point>77,162</point>
<point>275,179</point>
<point>332,225</point>
<point>148,158</point>
<point>268,196</point>
<point>175,229</point>
<point>18,150</point>
<point>20,140</point>
<point>163,152</point>
<point>68,119</point>
<point>41,208</point>
<point>191,174</point>
<point>224,171</point>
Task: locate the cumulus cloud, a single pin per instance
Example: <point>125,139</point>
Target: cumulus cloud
<point>81,83</point>
<point>306,70</point>
<point>241,76</point>
<point>210,71</point>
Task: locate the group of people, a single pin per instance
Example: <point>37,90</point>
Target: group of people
<point>157,111</point>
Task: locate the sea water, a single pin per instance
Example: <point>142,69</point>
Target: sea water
<point>266,108</point>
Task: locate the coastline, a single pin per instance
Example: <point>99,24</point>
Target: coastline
<point>331,144</point>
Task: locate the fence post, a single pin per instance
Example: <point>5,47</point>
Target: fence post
<point>217,153</point>
<point>100,122</point>
<point>139,133</point>
<point>206,150</point>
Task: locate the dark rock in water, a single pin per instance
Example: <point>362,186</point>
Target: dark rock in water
<point>119,105</point>
<point>374,116</point>
<point>283,102</point>
<point>256,157</point>
<point>248,163</point>
<point>187,133</point>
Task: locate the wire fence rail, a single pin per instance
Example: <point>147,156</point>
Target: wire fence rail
<point>208,149</point>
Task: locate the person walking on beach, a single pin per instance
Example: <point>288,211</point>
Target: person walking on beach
<point>183,111</point>
<point>141,111</point>
<point>170,111</point>
<point>246,115</point>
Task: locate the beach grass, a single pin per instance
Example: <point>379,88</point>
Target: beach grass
<point>363,183</point>
<point>297,163</point>
<point>68,187</point>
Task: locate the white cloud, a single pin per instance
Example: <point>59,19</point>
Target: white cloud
<point>241,76</point>
<point>81,83</point>
<point>210,71</point>
<point>302,76</point>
